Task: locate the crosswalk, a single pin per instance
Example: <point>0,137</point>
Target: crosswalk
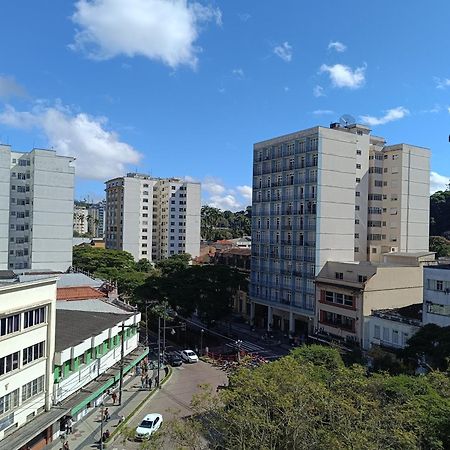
<point>248,347</point>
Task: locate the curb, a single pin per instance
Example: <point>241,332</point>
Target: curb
<point>138,408</point>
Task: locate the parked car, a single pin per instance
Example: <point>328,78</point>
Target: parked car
<point>174,359</point>
<point>189,356</point>
<point>150,423</point>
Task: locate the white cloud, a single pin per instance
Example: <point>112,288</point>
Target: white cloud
<point>390,115</point>
<point>320,112</point>
<point>225,202</point>
<point>238,73</point>
<point>213,186</point>
<point>318,91</point>
<point>244,17</point>
<point>10,88</point>
<point>246,192</point>
<point>284,51</point>
<point>164,30</point>
<point>338,46</point>
<point>344,76</point>
<point>438,182</point>
<point>99,153</point>
<point>442,83</point>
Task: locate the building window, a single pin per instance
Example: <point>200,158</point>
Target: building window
<point>9,324</point>
<point>358,166</point>
<point>376,332</point>
<point>9,401</point>
<point>439,285</point>
<point>33,352</point>
<point>339,275</point>
<point>32,388</point>
<point>33,317</point>
<point>9,363</point>
<point>362,278</point>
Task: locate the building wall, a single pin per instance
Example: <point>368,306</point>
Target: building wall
<point>80,219</point>
<point>193,219</point>
<point>5,164</point>
<point>387,333</point>
<point>436,296</point>
<point>18,298</point>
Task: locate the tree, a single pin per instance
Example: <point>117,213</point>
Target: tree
<point>440,213</point>
<point>440,246</point>
<point>300,402</point>
<point>209,221</point>
<point>174,263</point>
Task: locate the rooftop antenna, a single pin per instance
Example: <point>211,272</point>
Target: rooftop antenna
<point>346,120</point>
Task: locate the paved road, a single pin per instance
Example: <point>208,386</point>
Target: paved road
<point>174,397</point>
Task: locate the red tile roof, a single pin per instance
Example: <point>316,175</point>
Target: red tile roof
<point>78,293</point>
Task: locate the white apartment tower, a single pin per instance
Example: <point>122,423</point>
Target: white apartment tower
<point>153,218</point>
<point>36,209</point>
<point>324,194</point>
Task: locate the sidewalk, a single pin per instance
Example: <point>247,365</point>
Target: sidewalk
<point>86,432</point>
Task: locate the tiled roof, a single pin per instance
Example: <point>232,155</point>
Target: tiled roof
<point>78,293</point>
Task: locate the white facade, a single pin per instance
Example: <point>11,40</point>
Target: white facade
<point>27,344</point>
<point>390,330</point>
<point>330,194</point>
<point>36,209</point>
<point>436,295</point>
<point>80,219</point>
<point>152,218</point>
<point>74,368</point>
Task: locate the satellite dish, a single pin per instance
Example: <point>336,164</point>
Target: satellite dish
<point>346,120</point>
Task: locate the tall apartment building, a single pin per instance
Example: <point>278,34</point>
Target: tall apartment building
<point>153,218</point>
<point>324,194</point>
<point>96,224</point>
<point>36,209</point>
<point>80,219</point>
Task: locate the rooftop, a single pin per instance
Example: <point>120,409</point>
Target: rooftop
<point>411,314</point>
<point>92,305</point>
<point>74,327</point>
<point>78,293</point>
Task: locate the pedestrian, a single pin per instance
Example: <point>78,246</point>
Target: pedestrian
<point>114,397</point>
<point>121,419</point>
<point>166,371</point>
<point>107,416</point>
<point>66,446</point>
<point>150,383</point>
<point>142,381</point>
<point>146,381</point>
<point>69,425</point>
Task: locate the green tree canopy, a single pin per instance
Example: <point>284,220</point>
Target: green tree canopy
<point>440,245</point>
<point>440,213</point>
<point>217,224</point>
<point>310,401</point>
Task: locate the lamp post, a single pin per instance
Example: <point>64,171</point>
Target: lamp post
<point>238,345</point>
<point>201,341</point>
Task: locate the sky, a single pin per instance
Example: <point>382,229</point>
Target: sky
<point>185,88</point>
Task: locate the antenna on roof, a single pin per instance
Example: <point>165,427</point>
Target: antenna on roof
<point>346,120</point>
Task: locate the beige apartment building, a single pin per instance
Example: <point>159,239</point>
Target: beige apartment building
<point>329,194</point>
<point>348,292</point>
<point>152,218</point>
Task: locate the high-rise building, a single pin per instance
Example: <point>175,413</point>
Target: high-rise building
<point>36,209</point>
<point>96,222</point>
<point>153,218</point>
<point>80,219</point>
<point>324,194</point>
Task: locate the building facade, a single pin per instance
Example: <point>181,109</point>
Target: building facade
<point>324,194</point>
<point>348,293</point>
<point>96,223</point>
<point>27,345</point>
<point>36,209</point>
<point>436,295</point>
<point>153,218</point>
<point>80,219</point>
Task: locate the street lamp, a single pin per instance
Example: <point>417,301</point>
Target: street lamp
<point>101,425</point>
<point>238,345</point>
<point>201,341</point>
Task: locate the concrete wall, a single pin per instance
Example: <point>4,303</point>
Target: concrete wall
<point>5,164</point>
<point>132,199</point>
<point>335,220</point>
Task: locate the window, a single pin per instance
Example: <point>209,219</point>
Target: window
<point>33,317</point>
<point>358,166</point>
<point>358,180</point>
<point>9,401</point>
<point>33,352</point>
<point>358,152</point>
<point>356,249</point>
<point>32,388</point>
<point>339,275</point>
<point>9,363</point>
<point>358,194</point>
<point>439,285</point>
<point>9,324</point>
<point>376,332</point>
<point>362,278</point>
<point>394,336</point>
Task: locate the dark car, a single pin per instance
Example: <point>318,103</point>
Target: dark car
<point>174,359</point>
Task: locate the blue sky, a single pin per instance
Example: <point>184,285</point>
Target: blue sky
<point>184,88</point>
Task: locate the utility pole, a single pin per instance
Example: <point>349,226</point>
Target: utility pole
<point>122,349</point>
<point>159,351</point>
<point>101,427</point>
<point>201,341</point>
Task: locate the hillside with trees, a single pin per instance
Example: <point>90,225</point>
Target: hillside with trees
<point>440,223</point>
<point>217,224</point>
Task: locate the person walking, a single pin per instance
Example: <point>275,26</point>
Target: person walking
<point>146,381</point>
<point>114,397</point>
<point>107,416</point>
<point>150,381</point>
<point>66,445</point>
<point>69,425</point>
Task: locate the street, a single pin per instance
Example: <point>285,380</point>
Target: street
<point>174,397</point>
